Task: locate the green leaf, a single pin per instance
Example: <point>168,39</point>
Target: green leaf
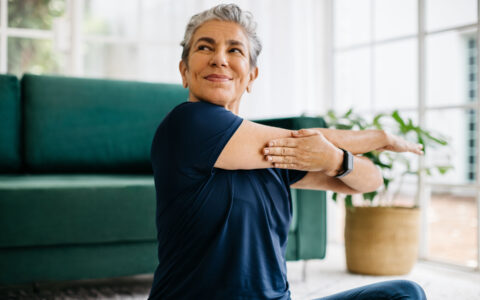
<point>386,182</point>
<point>334,197</point>
<point>396,117</point>
<point>376,121</point>
<point>331,115</point>
<point>444,169</point>
<point>370,196</point>
<point>437,140</point>
<point>343,126</point>
<point>348,201</point>
<point>348,113</point>
<point>428,172</point>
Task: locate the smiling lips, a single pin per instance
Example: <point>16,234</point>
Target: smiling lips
<point>218,78</point>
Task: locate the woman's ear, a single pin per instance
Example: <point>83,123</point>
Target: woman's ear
<point>253,75</point>
<point>183,71</point>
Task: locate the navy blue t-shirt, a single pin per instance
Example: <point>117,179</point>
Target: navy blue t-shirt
<point>222,234</point>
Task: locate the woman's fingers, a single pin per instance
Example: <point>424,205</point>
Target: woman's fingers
<point>292,142</point>
<point>279,151</point>
<point>304,132</point>
<point>281,159</point>
<point>285,142</point>
<point>417,149</point>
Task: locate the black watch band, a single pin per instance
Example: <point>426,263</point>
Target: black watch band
<point>347,164</point>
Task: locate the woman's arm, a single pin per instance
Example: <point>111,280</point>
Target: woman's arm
<point>244,150</point>
<point>364,178</point>
<point>363,141</point>
<point>307,152</point>
<point>357,142</point>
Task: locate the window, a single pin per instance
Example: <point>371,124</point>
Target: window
<point>420,57</point>
<point>140,40</point>
<point>472,97</point>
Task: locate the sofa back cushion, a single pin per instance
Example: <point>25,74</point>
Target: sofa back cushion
<point>93,125</point>
<point>10,156</point>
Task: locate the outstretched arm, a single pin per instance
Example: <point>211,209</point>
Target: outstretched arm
<point>363,141</point>
<point>302,151</point>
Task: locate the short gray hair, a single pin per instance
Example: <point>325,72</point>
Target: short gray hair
<point>229,13</point>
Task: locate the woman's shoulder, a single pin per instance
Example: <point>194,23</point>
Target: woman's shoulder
<point>199,113</point>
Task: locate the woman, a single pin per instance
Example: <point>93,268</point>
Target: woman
<point>223,198</point>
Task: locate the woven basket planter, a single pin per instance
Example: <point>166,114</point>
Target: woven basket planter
<point>381,240</point>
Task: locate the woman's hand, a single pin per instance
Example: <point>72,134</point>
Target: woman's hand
<point>306,150</point>
<point>397,144</point>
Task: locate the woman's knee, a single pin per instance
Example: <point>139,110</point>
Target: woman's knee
<point>411,289</point>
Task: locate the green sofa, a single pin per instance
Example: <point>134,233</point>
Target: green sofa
<point>77,198</point>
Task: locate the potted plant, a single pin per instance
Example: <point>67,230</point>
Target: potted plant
<point>380,237</point>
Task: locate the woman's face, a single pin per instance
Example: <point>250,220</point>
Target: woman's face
<point>218,64</point>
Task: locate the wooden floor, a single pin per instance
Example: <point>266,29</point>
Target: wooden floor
<point>323,277</point>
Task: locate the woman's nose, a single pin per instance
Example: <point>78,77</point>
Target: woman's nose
<point>219,59</point>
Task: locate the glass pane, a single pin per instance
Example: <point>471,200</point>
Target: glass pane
<point>394,18</point>
<point>396,75</point>
<point>152,57</point>
<point>352,22</point>
<point>34,56</point>
<point>450,67</point>
<point>441,14</point>
<point>111,17</point>
<point>34,14</point>
<point>452,227</point>
<point>111,61</point>
<point>458,126</point>
<point>158,15</point>
<point>352,80</point>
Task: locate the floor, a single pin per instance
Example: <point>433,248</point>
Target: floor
<point>323,277</point>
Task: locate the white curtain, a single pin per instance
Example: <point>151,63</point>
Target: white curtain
<point>293,66</point>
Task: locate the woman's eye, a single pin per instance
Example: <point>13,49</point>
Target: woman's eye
<point>203,47</point>
<point>236,50</point>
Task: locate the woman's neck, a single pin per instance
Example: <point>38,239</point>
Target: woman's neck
<point>232,106</point>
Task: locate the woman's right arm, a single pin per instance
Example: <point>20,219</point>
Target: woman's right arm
<point>244,150</point>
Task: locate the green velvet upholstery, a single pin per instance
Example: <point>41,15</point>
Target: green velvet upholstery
<point>46,210</point>
<point>10,156</point>
<point>75,262</point>
<point>77,198</point>
<point>91,125</point>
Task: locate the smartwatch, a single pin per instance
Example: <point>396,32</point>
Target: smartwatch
<point>347,164</point>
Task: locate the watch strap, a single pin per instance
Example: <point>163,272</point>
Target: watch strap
<point>347,164</point>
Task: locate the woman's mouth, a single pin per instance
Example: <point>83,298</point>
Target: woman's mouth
<point>218,78</point>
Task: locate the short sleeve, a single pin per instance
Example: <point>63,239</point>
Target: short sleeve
<point>198,132</point>
<point>295,175</point>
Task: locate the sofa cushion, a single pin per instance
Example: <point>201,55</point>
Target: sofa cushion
<point>43,210</point>
<point>10,157</point>
<point>93,125</point>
